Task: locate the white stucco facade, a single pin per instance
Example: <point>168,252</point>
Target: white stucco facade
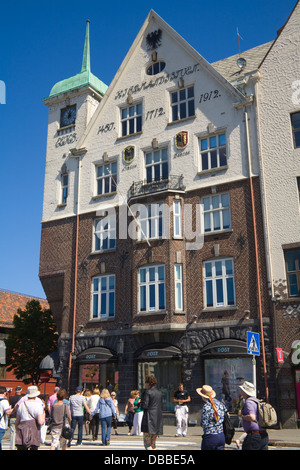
<point>278,96</point>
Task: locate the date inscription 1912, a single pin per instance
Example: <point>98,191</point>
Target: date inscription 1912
<point>209,95</point>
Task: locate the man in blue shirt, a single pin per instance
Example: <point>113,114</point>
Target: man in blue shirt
<point>257,438</point>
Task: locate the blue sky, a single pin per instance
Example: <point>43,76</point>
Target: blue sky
<point>42,43</point>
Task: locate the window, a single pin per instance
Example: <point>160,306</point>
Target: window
<point>213,152</point>
<point>216,212</point>
<point>152,288</point>
<point>178,287</point>
<point>292,264</point>
<point>106,178</point>
<point>157,166</point>
<point>151,219</point>
<point>156,68</point>
<point>183,103</point>
<point>131,119</point>
<point>64,188</point>
<point>105,233</point>
<point>295,118</point>
<point>103,297</point>
<point>219,283</point>
<point>177,219</point>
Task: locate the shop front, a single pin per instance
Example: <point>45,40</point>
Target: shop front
<point>98,366</point>
<point>165,362</point>
<point>226,366</point>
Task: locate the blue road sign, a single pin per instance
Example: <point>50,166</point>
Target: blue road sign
<point>253,343</point>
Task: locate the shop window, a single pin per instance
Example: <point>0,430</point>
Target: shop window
<point>168,374</point>
<point>225,375</point>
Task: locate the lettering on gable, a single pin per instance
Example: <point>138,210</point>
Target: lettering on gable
<point>158,81</point>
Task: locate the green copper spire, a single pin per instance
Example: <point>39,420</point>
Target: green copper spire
<point>85,77</point>
<point>86,61</point>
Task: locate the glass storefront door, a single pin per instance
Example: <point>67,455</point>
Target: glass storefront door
<point>103,375</point>
<point>168,374</point>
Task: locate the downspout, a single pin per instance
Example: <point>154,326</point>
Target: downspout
<point>256,254</point>
<point>75,153</point>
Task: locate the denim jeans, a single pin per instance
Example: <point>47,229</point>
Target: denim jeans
<point>105,428</point>
<point>2,432</point>
<point>77,420</point>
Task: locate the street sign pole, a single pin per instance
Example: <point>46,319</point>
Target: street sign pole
<point>253,348</point>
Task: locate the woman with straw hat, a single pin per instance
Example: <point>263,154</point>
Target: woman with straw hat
<point>212,420</point>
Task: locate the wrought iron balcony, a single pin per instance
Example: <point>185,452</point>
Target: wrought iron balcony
<point>139,188</point>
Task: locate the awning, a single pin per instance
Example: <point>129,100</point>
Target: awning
<point>159,352</point>
<point>51,362</point>
<point>225,347</point>
<point>95,355</point>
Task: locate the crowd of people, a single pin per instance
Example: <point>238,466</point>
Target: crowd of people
<point>29,417</point>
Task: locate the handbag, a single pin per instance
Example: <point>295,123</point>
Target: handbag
<point>228,428</point>
<point>66,431</point>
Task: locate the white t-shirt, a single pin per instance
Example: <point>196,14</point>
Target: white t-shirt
<point>4,405</point>
<point>33,406</point>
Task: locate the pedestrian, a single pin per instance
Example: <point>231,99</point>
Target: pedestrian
<point>77,404</point>
<point>212,419</point>
<point>257,438</point>
<point>30,418</point>
<point>86,417</point>
<point>5,411</point>
<point>60,414</point>
<point>181,397</point>
<point>13,400</point>
<point>138,415</point>
<point>151,404</point>
<point>106,410</point>
<point>129,411</point>
<point>115,419</point>
<point>92,403</point>
<point>51,400</point>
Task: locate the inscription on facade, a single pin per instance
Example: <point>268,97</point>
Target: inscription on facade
<point>158,81</point>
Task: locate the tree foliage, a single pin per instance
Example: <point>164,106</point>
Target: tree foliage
<point>32,337</point>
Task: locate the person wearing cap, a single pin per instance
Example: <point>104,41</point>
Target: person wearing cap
<point>77,403</point>
<point>212,419</point>
<point>257,438</point>
<point>30,417</point>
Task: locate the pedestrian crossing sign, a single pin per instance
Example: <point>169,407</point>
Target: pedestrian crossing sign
<point>253,343</point>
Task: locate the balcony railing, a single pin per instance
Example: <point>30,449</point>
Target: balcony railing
<point>139,188</point>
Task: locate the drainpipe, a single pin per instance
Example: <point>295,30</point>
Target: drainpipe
<point>256,253</point>
<point>75,153</point>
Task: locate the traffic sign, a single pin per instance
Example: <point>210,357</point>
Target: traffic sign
<point>45,377</point>
<point>253,343</point>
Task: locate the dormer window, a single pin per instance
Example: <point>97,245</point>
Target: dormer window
<point>156,67</point>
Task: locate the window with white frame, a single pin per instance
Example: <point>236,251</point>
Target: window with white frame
<point>131,119</point>
<point>151,221</point>
<point>157,166</point>
<point>106,178</point>
<point>216,212</point>
<point>152,286</point>
<point>177,218</point>
<point>103,297</point>
<point>213,152</point>
<point>183,103</point>
<point>178,287</point>
<point>219,288</point>
<point>64,188</point>
<point>105,233</point>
